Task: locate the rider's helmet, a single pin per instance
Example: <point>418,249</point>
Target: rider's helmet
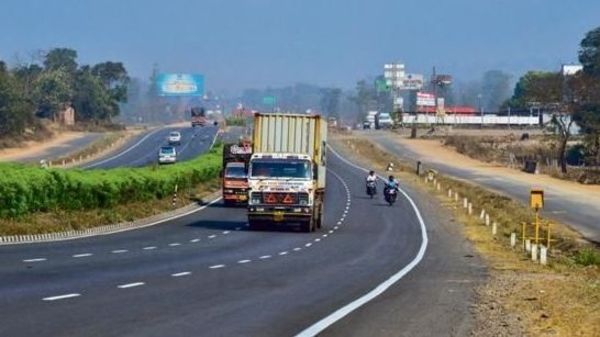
<point>391,178</point>
<point>371,172</point>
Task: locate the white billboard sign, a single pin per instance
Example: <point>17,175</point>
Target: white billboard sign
<point>425,99</point>
<point>412,82</point>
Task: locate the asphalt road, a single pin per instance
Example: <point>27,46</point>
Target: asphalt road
<point>143,149</point>
<point>580,213</point>
<point>62,149</point>
<point>205,274</point>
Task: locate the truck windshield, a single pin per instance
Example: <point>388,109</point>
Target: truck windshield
<point>281,168</point>
<point>235,172</point>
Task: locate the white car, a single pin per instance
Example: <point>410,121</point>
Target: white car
<point>175,138</point>
<point>167,155</point>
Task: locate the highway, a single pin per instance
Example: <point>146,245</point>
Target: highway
<point>206,274</point>
<point>577,211</point>
<point>142,150</point>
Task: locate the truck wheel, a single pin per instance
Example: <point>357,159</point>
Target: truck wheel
<point>254,225</point>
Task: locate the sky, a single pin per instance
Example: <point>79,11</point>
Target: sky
<point>241,44</point>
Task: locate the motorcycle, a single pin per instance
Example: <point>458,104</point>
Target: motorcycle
<point>371,188</point>
<point>390,195</point>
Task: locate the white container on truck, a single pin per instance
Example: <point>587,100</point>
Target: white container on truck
<point>286,177</point>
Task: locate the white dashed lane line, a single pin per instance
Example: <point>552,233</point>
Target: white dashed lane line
<point>195,240</point>
<point>183,273</point>
<point>82,255</point>
<point>244,261</point>
<point>149,248</point>
<point>130,285</point>
<point>39,259</point>
<point>60,297</point>
<point>308,244</point>
<point>174,244</point>
<point>119,251</point>
<point>217,266</point>
<point>226,232</point>
<point>212,236</point>
<point>283,253</point>
<point>265,257</point>
<point>297,249</point>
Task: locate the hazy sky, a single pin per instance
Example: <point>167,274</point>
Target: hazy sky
<point>255,43</point>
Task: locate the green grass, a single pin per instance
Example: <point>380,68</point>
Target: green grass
<point>587,257</point>
<point>27,189</point>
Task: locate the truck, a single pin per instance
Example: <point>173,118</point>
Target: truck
<point>198,116</point>
<point>236,158</point>
<point>286,176</point>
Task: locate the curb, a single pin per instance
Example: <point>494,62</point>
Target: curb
<point>111,229</point>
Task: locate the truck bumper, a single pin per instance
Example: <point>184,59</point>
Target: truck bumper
<point>281,215</point>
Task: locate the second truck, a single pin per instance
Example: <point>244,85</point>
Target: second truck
<point>286,177</point>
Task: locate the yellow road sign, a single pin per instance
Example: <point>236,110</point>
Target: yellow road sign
<point>536,199</point>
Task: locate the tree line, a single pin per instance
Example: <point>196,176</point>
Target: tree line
<point>569,98</point>
<point>30,92</point>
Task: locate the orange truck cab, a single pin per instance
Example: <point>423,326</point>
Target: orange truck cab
<point>235,172</point>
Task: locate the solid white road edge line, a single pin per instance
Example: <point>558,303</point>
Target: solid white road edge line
<point>124,152</point>
<point>60,297</point>
<point>337,315</point>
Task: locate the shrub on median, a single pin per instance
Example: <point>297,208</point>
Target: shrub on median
<point>27,189</point>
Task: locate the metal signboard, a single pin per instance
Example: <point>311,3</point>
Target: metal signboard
<point>180,85</point>
<point>425,99</point>
<point>412,82</point>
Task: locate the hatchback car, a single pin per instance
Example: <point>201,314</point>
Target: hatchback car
<point>175,138</point>
<point>167,155</point>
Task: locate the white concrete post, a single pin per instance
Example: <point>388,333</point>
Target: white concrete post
<point>494,228</point>
<point>534,252</point>
<point>487,219</point>
<point>482,214</point>
<point>470,208</point>
<point>439,186</point>
<point>449,193</point>
<point>465,203</point>
<point>513,239</point>
<point>456,196</point>
<point>528,245</point>
<point>543,255</point>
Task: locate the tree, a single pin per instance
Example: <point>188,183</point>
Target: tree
<point>61,58</point>
<point>52,91</point>
<point>15,110</point>
<point>589,53</point>
<point>92,101</point>
<point>330,101</point>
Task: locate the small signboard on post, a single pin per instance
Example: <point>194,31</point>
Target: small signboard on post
<point>536,199</point>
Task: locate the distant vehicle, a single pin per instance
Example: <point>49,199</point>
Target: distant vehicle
<point>366,125</point>
<point>175,138</point>
<point>383,121</point>
<point>332,122</point>
<point>198,116</point>
<point>167,155</point>
<point>235,172</point>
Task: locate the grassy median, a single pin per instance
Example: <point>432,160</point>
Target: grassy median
<point>561,299</point>
<point>35,200</point>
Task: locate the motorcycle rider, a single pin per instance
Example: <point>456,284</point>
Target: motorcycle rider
<point>392,183</point>
<point>372,178</point>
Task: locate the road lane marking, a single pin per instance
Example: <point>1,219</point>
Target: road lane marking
<point>308,244</point>
<point>82,255</point>
<point>119,251</point>
<point>39,259</point>
<point>226,232</point>
<point>324,235</point>
<point>317,240</point>
<point>124,152</point>
<point>297,249</point>
<point>217,266</point>
<point>339,314</point>
<point>195,240</point>
<point>174,244</point>
<point>244,261</point>
<point>60,297</point>
<point>265,257</point>
<point>212,236</point>
<point>149,248</point>
<point>283,253</point>
<point>130,285</point>
<point>330,231</point>
<point>183,273</point>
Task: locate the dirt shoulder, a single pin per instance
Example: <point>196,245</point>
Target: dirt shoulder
<point>31,149</point>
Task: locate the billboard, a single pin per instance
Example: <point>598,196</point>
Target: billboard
<point>412,82</point>
<point>180,84</point>
<point>425,99</point>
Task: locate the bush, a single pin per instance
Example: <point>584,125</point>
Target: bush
<point>27,189</point>
<point>587,257</point>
